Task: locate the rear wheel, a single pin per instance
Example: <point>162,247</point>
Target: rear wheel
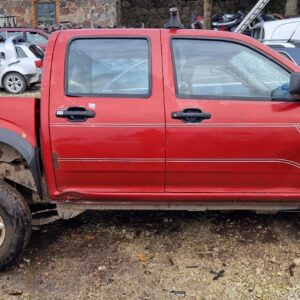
<point>14,83</point>
<point>15,224</point>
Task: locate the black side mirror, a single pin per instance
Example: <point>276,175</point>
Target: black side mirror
<point>295,84</point>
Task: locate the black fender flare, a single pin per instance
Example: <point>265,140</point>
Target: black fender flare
<point>29,153</point>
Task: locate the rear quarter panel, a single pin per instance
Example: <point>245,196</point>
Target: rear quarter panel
<point>18,114</point>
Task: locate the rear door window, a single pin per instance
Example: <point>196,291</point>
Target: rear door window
<point>109,67</point>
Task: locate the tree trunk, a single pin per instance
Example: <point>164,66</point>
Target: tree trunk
<point>291,8</point>
<point>207,14</point>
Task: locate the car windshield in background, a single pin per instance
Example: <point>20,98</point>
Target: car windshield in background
<point>36,38</point>
<point>221,69</point>
<point>109,66</point>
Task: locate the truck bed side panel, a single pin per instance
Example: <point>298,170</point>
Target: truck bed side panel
<point>19,115</point>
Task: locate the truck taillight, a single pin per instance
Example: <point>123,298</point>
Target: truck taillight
<point>38,63</point>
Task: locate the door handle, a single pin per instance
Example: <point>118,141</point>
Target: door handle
<point>75,114</point>
<point>190,115</point>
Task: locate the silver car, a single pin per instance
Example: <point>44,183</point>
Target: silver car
<point>20,65</point>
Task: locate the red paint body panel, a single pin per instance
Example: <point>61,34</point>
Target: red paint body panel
<point>46,148</point>
<point>19,115</point>
<point>122,149</point>
<point>134,150</point>
<point>247,146</point>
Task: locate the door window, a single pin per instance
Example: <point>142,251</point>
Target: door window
<point>226,70</point>
<point>109,67</point>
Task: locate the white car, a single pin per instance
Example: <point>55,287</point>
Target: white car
<point>279,30</point>
<point>20,65</point>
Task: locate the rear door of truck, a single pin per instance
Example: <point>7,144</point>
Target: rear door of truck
<point>231,126</point>
<point>107,121</point>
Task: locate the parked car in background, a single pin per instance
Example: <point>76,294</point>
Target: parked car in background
<point>20,65</point>
<point>30,35</point>
<point>288,49</point>
<point>280,30</point>
<point>282,35</point>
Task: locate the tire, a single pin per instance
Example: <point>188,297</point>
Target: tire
<point>15,225</point>
<point>14,83</point>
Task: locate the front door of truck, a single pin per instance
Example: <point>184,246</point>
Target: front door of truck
<point>230,125</point>
<point>107,113</point>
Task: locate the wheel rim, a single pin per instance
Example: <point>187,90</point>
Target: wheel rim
<point>2,231</point>
<point>14,83</point>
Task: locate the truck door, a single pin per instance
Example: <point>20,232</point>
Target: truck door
<point>107,113</point>
<point>231,124</point>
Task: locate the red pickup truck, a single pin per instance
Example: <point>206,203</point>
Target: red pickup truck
<point>150,119</point>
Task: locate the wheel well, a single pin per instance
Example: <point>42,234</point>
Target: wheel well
<point>15,170</point>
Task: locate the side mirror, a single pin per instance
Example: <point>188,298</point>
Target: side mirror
<point>295,84</point>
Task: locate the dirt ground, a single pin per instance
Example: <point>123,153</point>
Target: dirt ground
<point>160,255</point>
<point>30,92</point>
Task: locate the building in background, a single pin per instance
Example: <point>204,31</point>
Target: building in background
<point>85,13</point>
<point>130,13</point>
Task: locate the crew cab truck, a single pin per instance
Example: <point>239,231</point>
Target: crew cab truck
<point>150,119</point>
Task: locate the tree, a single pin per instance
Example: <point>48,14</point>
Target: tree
<point>208,13</point>
<point>291,7</point>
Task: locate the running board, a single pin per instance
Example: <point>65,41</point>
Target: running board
<point>70,210</point>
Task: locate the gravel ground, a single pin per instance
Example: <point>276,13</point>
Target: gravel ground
<point>160,255</point>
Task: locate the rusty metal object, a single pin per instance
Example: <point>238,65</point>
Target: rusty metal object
<point>55,160</point>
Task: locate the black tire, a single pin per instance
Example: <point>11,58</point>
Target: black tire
<point>16,218</point>
<point>14,83</point>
